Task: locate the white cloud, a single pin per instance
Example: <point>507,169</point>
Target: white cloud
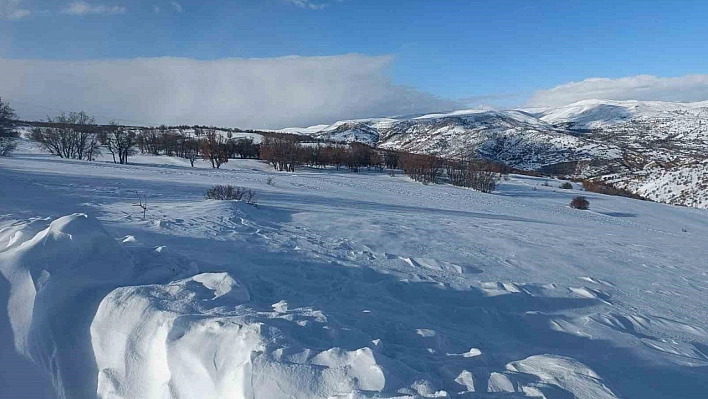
<point>84,8</point>
<point>308,4</point>
<point>12,10</point>
<point>176,6</point>
<point>248,93</point>
<point>641,87</point>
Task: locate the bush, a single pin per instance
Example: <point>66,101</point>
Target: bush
<point>607,189</point>
<point>580,202</point>
<point>7,146</point>
<point>566,186</point>
<point>229,192</point>
<point>7,125</point>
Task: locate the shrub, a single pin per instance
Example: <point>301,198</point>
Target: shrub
<point>7,146</point>
<point>607,189</point>
<point>580,202</point>
<point>7,134</point>
<point>472,174</point>
<point>566,186</point>
<point>229,192</point>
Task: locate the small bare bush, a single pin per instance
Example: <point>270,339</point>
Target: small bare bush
<point>229,192</point>
<point>271,181</point>
<point>580,202</point>
<point>566,186</point>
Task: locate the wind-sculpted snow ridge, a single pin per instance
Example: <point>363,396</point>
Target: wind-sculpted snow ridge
<point>74,312</point>
<point>197,338</point>
<point>56,278</point>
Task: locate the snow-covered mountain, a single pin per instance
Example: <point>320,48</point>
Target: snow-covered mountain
<point>632,144</point>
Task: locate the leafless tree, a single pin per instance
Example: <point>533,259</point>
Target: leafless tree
<point>149,141</point>
<point>391,159</point>
<point>244,147</point>
<point>283,153</point>
<point>422,168</point>
<point>214,148</point>
<point>191,149</point>
<point>119,141</point>
<point>472,173</point>
<point>73,136</point>
<point>142,203</point>
<point>8,142</point>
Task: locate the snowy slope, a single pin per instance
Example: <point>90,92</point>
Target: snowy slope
<point>594,114</point>
<point>636,144</point>
<point>340,285</point>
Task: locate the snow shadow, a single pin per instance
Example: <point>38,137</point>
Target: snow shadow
<point>427,327</point>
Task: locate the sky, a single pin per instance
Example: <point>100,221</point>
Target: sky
<point>279,63</point>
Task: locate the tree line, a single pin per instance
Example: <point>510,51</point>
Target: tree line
<point>77,136</point>
<point>285,153</point>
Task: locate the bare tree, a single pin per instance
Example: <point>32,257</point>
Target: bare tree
<point>214,148</point>
<point>7,126</point>
<point>391,159</point>
<point>191,149</point>
<point>142,203</point>
<point>149,141</point>
<point>422,168</point>
<point>283,153</point>
<point>472,173</point>
<point>245,147</point>
<point>119,141</point>
<point>73,136</point>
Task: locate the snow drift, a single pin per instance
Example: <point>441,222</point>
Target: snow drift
<point>339,285</point>
<point>189,338</point>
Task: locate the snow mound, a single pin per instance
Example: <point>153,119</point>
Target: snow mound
<point>566,373</point>
<point>75,310</point>
<point>56,278</point>
<point>195,338</point>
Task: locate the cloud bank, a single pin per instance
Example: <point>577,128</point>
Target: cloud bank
<point>247,93</point>
<point>643,87</point>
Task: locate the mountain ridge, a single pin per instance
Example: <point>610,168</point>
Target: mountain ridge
<point>629,144</point>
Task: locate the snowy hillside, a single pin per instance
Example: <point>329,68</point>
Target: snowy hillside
<point>632,143</point>
<point>340,285</point>
<point>594,114</point>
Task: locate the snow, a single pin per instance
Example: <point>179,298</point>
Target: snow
<point>339,285</point>
<point>592,114</point>
<point>651,148</point>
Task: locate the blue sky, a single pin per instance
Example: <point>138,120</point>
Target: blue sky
<point>472,52</point>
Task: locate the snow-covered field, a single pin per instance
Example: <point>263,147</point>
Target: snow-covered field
<point>340,285</point>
